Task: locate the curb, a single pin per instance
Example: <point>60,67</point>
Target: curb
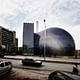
<point>12,58</point>
<point>64,62</point>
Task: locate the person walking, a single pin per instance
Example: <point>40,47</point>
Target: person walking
<point>75,69</point>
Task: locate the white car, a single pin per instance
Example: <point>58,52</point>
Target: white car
<point>5,67</point>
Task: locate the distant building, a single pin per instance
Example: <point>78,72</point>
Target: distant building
<point>16,42</point>
<point>28,38</point>
<point>77,54</point>
<point>8,38</point>
<point>58,42</point>
<point>37,26</point>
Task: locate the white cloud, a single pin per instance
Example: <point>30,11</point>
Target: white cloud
<point>67,11</point>
<point>61,13</point>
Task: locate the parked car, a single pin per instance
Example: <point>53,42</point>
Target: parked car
<point>31,62</point>
<point>61,75</point>
<point>5,67</point>
<point>1,54</point>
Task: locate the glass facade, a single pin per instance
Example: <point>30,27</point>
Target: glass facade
<point>58,42</point>
<point>28,38</point>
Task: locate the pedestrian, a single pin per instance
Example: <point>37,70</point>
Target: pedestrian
<point>75,69</point>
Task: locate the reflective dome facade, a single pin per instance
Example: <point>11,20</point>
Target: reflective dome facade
<point>58,42</point>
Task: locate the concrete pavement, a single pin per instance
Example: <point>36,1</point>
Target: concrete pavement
<point>65,60</point>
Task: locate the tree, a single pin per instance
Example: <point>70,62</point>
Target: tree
<point>0,48</point>
<point>13,48</point>
<point>19,51</point>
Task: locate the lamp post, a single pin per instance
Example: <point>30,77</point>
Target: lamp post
<point>44,39</point>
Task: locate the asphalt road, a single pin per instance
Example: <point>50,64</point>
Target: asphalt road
<point>25,74</point>
<point>46,66</point>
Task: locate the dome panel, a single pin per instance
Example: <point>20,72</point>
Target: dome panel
<point>58,42</point>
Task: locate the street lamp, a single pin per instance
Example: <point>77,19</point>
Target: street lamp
<point>44,39</point>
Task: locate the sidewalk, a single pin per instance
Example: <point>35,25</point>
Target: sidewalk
<point>65,60</point>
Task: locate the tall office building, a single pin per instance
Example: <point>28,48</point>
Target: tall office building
<point>7,38</point>
<point>28,38</point>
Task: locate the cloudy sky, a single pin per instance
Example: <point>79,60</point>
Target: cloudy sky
<point>58,13</point>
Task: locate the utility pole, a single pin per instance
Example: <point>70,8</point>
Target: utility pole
<point>44,39</point>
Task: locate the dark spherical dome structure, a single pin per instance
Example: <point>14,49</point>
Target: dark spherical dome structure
<point>58,42</point>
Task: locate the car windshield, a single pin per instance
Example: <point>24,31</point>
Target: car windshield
<point>29,59</point>
<point>60,75</point>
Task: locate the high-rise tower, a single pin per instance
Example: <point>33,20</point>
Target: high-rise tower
<point>28,38</point>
